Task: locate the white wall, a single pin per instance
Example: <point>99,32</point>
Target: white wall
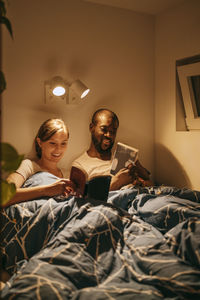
<point>177,152</point>
<point>111,50</point>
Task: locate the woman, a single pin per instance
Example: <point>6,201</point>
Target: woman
<point>50,145</point>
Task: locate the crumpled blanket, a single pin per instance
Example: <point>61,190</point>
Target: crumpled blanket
<point>144,243</point>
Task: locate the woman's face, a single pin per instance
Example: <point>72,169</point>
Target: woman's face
<point>54,148</point>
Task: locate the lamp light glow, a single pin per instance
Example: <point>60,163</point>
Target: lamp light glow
<point>85,93</point>
<point>59,91</point>
<point>58,86</point>
<point>80,88</point>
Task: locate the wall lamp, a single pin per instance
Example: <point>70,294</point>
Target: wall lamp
<point>58,90</point>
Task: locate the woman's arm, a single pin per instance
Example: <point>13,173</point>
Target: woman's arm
<point>62,186</point>
<point>16,178</point>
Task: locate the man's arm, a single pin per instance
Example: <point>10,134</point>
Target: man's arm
<point>131,174</point>
<point>122,178</point>
<point>141,171</point>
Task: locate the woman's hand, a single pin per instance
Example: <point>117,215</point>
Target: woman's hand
<point>63,187</point>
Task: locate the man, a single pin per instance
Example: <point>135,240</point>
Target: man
<point>97,159</point>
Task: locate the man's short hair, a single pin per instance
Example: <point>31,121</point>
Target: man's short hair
<point>102,110</point>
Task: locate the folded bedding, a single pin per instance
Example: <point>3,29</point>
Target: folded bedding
<point>143,243</point>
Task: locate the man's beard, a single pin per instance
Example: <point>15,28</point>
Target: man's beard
<point>98,147</point>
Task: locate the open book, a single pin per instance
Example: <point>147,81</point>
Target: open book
<point>96,188</point>
<point>124,155</point>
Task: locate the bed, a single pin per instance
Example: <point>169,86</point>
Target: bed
<point>143,243</point>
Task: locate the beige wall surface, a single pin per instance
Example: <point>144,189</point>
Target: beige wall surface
<point>111,50</point>
<point>177,152</point>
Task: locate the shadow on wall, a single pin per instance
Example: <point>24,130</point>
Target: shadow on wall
<point>168,170</point>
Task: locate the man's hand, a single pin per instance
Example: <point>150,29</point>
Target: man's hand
<point>141,171</point>
<point>131,174</point>
<point>123,177</point>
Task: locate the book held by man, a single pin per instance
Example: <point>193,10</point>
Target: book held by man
<point>124,155</point>
<point>96,188</point>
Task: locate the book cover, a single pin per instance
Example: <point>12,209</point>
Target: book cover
<point>124,155</point>
<point>96,188</point>
<point>79,178</point>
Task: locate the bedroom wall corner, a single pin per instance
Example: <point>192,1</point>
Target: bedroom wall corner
<point>176,152</point>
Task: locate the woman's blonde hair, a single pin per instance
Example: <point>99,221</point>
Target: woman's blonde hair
<point>46,130</point>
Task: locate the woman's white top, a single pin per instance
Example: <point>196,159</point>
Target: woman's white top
<point>29,167</point>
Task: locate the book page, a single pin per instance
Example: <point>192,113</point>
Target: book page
<point>124,155</point>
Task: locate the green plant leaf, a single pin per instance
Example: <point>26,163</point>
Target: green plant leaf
<point>2,9</point>
<point>8,151</point>
<point>6,22</point>
<point>10,166</point>
<point>2,82</point>
<point>8,190</point>
<point>10,159</point>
